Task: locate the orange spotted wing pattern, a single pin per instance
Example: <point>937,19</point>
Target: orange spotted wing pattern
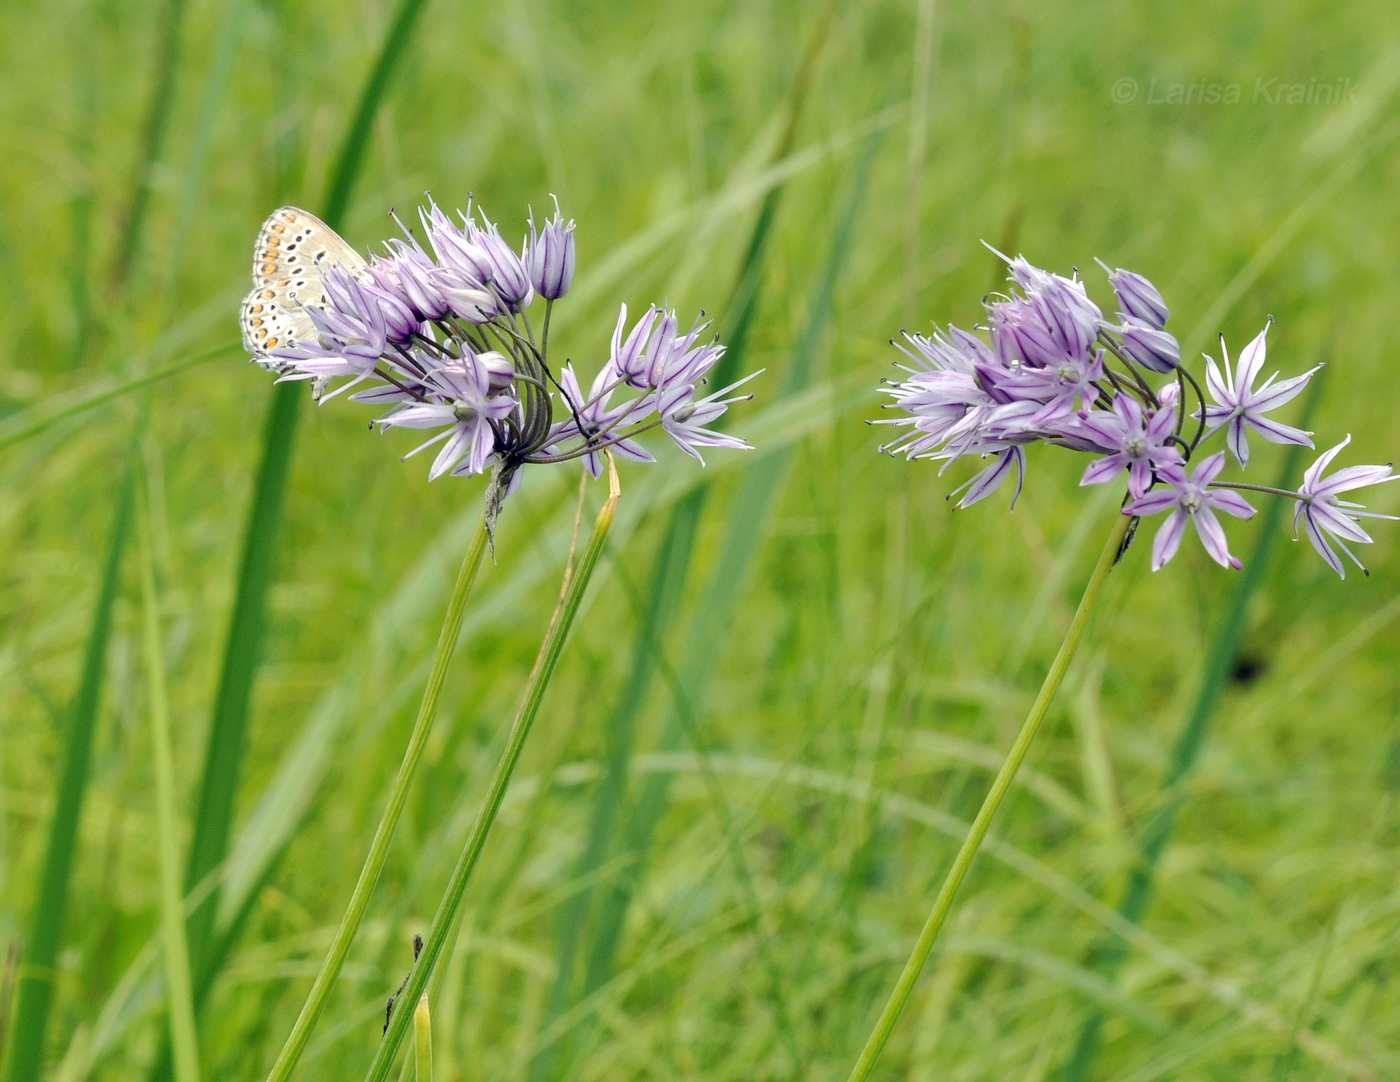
<point>292,247</point>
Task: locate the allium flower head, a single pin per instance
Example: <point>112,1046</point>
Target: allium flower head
<point>1055,372</point>
<point>443,341</point>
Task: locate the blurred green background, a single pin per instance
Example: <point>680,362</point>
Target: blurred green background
<point>716,853</point>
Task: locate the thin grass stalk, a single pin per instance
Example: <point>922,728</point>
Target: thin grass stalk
<point>228,728</point>
<point>38,965</point>
<point>224,750</point>
<point>174,949</point>
<point>352,151</point>
<point>943,904</point>
<point>1156,834</point>
<point>423,1041</point>
<point>167,60</point>
<point>672,564</point>
<point>50,411</point>
<point>383,834</point>
<point>749,511</point>
<point>445,920</point>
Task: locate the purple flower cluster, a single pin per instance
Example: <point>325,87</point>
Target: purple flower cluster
<point>1053,369</point>
<point>440,334</point>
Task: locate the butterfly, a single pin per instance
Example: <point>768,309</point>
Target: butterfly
<point>292,247</point>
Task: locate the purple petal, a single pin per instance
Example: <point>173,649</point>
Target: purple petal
<point>1277,433</point>
<point>1209,469</point>
<point>1274,395</point>
<point>1218,384</point>
<point>1232,503</point>
<point>1236,441</point>
<point>1251,360</point>
<point>1139,477</point>
<point>1353,477</point>
<point>1168,539</point>
<point>1102,470</point>
<point>1153,503</point>
<point>1319,543</point>
<point>1162,424</point>
<point>1212,536</point>
<point>1315,471</point>
<point>457,445</point>
<point>1337,522</point>
<point>988,480</point>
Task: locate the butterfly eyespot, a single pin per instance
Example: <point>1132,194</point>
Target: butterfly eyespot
<point>271,343</point>
<point>268,268</point>
<point>268,294</point>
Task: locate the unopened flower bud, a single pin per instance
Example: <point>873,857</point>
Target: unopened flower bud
<point>500,372</point>
<point>1138,298</point>
<point>550,256</point>
<point>1152,348</point>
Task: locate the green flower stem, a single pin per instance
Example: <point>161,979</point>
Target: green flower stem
<point>446,917</point>
<point>944,903</point>
<point>398,795</point>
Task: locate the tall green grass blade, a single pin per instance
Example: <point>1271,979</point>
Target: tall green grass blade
<point>423,1041</point>
<point>671,571</point>
<point>41,950</point>
<point>210,103</point>
<point>80,261</point>
<point>223,755</point>
<point>352,151</point>
<point>445,919</point>
<point>750,510</point>
<point>242,654</point>
<point>1219,661</point>
<point>167,61</point>
<point>179,997</point>
<point>37,418</point>
<point>384,833</point>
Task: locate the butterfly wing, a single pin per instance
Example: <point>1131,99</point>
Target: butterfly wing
<point>292,247</point>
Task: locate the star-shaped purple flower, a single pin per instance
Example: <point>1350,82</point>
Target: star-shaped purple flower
<point>1191,499</point>
<point>465,405</point>
<point>1240,406</point>
<point>1326,519</point>
<point>1138,442</point>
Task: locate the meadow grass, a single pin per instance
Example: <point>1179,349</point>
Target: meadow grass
<point>781,703</point>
